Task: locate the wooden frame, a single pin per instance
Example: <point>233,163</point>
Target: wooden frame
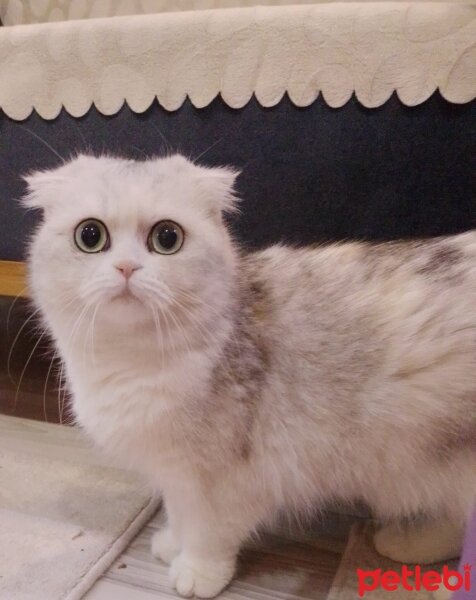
<point>12,278</point>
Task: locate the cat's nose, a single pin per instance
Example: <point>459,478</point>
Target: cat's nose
<point>127,267</point>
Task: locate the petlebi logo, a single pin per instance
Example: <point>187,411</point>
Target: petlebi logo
<point>412,578</point>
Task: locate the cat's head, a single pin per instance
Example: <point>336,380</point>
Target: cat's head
<point>132,239</point>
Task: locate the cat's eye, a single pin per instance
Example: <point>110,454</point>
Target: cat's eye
<point>91,236</point>
<point>166,237</point>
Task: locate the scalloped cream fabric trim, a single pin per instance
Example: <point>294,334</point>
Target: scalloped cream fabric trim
<point>333,49</point>
<point>20,12</point>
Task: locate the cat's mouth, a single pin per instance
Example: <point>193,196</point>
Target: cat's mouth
<point>125,295</point>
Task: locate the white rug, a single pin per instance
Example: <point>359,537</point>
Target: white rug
<point>65,515</point>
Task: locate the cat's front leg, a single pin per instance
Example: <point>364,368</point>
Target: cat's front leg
<point>206,563</point>
<point>211,533</point>
<point>165,543</point>
<point>203,576</point>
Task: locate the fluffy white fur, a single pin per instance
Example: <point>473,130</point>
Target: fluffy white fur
<point>244,385</point>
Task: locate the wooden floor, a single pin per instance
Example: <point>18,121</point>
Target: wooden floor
<point>283,565</point>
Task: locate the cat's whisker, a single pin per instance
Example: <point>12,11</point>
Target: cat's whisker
<point>202,154</point>
<point>178,323</point>
<point>155,292</point>
<point>60,389</point>
<point>87,333</point>
<point>168,145</point>
<point>68,302</point>
<point>78,316</point>
<point>70,341</point>
<point>207,335</point>
<point>144,154</point>
<point>196,300</point>
<point>77,326</point>
<point>161,336</point>
<point>171,338</point>
<point>17,337</point>
<point>12,305</point>
<point>178,326</point>
<point>158,335</point>
<point>194,321</point>
<point>45,387</point>
<point>87,148</point>
<point>24,370</point>
<point>93,347</point>
<point>181,329</point>
<point>44,142</point>
<point>157,288</point>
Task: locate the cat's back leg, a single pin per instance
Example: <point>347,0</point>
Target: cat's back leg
<point>428,542</point>
<point>446,499</point>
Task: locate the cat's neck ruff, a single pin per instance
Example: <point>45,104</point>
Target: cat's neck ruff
<point>172,360</point>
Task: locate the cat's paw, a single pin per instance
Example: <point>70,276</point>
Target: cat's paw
<point>391,542</point>
<point>200,577</point>
<point>164,545</point>
<point>423,545</point>
<point>442,594</point>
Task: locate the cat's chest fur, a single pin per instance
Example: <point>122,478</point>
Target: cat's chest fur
<point>130,400</point>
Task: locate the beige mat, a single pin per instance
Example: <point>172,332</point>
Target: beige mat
<point>65,515</point>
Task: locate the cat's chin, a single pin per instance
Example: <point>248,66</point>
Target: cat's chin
<point>125,309</point>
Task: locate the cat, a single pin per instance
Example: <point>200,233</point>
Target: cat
<point>247,384</point>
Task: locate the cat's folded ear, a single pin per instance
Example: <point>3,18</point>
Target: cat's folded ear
<point>41,191</point>
<point>217,187</point>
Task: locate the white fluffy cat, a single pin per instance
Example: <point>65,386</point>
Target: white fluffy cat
<point>247,384</point>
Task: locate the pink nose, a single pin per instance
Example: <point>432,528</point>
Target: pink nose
<point>127,267</point>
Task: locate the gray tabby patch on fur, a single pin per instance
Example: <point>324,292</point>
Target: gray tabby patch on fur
<point>243,385</point>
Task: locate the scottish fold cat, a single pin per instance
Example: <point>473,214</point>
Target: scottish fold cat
<point>247,384</point>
